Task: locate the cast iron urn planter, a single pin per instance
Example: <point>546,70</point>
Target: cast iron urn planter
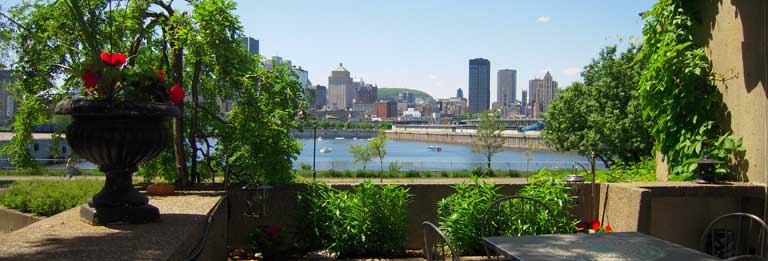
<point>117,136</point>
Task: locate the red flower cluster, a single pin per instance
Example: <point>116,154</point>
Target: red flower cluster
<point>270,231</point>
<point>176,94</point>
<point>116,59</point>
<point>596,226</point>
<point>90,79</point>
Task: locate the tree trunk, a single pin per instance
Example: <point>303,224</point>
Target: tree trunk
<point>381,170</point>
<point>177,60</point>
<point>193,121</point>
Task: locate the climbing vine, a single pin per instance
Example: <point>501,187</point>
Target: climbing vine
<point>678,95</point>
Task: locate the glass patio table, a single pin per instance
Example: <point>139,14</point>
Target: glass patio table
<point>599,246</point>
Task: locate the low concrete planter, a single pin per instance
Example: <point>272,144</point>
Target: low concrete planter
<point>11,220</point>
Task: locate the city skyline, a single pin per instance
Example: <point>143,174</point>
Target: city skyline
<point>425,45</point>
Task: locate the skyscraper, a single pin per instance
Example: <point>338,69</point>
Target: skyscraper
<point>340,89</point>
<point>542,92</point>
<point>524,103</point>
<point>251,44</point>
<point>320,96</point>
<point>479,85</point>
<point>459,93</point>
<point>506,88</point>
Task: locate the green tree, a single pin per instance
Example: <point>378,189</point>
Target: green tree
<point>377,149</point>
<point>603,114</point>
<point>488,140</point>
<point>360,153</point>
<point>199,47</point>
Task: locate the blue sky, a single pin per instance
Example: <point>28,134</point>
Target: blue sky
<point>426,45</point>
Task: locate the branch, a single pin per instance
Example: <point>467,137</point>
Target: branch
<point>165,6</point>
<point>137,41</point>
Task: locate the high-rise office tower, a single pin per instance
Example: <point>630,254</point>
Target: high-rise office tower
<point>506,88</point>
<point>479,85</point>
<point>524,102</point>
<point>459,93</point>
<point>340,89</point>
<point>251,44</point>
<point>542,92</point>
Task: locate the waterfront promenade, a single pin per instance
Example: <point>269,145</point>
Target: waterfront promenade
<point>457,134</point>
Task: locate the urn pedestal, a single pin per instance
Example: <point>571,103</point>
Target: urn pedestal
<point>117,136</point>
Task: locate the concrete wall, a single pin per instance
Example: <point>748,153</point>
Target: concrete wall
<point>11,220</point>
<point>422,207</point>
<point>734,34</point>
<point>330,134</point>
<point>677,211</point>
<point>521,140</point>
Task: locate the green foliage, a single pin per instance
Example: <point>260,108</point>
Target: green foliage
<point>603,114</point>
<point>678,95</point>
<point>370,220</point>
<point>461,214</point>
<point>488,140</point>
<point>47,198</point>
<point>391,93</point>
<point>556,195</point>
<point>360,153</point>
<point>394,171</point>
<point>377,149</point>
<point>642,171</point>
<point>162,167</point>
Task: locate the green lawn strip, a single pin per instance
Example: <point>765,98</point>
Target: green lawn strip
<point>48,197</point>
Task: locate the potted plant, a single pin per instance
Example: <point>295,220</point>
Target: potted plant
<point>119,120</point>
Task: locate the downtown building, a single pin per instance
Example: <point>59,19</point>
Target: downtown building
<point>8,103</point>
<point>385,109</point>
<point>479,85</point>
<point>542,92</point>
<point>366,93</point>
<point>506,91</point>
<point>341,91</point>
<point>451,107</point>
<point>320,96</point>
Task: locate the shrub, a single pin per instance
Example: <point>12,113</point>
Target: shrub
<point>367,221</point>
<point>333,173</point>
<point>461,214</point>
<point>47,198</point>
<point>644,170</point>
<point>556,195</point>
<point>412,174</point>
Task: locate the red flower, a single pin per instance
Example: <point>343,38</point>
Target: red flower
<point>581,225</point>
<point>90,79</point>
<point>118,59</point>
<point>161,73</point>
<point>273,229</point>
<point>608,228</point>
<point>595,224</point>
<point>106,57</point>
<point>176,95</point>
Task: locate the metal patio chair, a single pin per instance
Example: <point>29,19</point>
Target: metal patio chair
<point>735,235</point>
<point>516,216</point>
<point>436,244</point>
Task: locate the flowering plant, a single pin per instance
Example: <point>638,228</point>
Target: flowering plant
<point>108,77</point>
<point>269,241</point>
<point>593,227</point>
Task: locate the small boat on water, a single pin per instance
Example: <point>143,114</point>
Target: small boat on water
<point>339,138</point>
<point>325,150</point>
<point>320,138</point>
<point>355,138</point>
<point>435,148</point>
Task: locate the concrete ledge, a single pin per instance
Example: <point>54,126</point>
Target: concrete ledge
<point>11,220</point>
<point>66,237</point>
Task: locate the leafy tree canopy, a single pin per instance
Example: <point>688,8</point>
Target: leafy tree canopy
<point>602,114</point>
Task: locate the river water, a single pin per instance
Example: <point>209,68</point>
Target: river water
<point>417,155</point>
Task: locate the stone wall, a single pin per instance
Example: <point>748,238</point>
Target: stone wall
<point>11,220</point>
